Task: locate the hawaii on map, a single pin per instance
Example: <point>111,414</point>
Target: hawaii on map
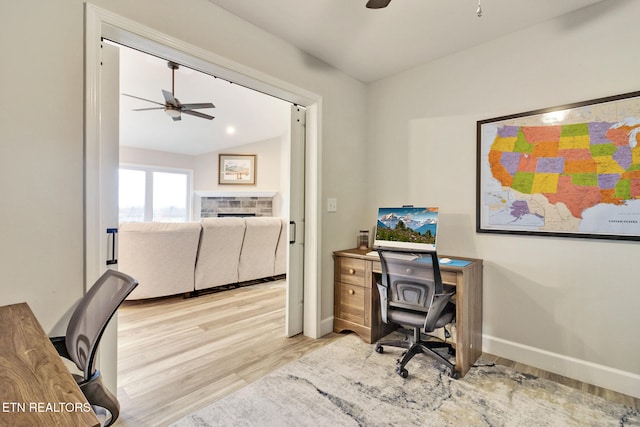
<point>575,170</point>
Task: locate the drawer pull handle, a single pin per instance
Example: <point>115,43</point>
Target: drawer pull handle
<point>351,292</point>
<point>352,271</point>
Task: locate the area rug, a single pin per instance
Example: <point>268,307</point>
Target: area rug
<point>347,383</point>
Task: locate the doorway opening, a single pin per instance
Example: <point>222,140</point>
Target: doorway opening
<point>157,146</point>
<point>104,24</point>
<point>154,147</point>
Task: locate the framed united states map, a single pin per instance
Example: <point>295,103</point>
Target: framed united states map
<point>570,171</point>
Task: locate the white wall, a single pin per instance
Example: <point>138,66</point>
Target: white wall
<point>566,305</point>
<point>42,254</point>
<point>41,156</point>
<point>140,156</point>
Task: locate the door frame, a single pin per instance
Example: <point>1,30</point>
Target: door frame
<point>103,23</point>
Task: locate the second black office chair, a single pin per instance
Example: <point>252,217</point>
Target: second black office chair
<point>412,295</point>
<point>85,328</point>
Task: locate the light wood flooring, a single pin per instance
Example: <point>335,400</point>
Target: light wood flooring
<point>177,355</point>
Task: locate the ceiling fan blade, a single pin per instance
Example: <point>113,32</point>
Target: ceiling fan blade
<point>197,106</point>
<point>198,114</point>
<point>146,109</point>
<point>169,98</point>
<point>142,99</point>
<point>377,4</point>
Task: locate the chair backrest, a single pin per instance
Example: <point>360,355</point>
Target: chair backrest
<point>92,315</point>
<point>413,282</point>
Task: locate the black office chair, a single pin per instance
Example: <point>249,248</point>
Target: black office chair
<point>413,296</point>
<point>85,328</point>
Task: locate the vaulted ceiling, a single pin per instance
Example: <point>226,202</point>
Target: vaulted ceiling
<point>368,44</point>
<point>253,116</point>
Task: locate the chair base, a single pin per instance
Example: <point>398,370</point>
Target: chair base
<point>416,346</point>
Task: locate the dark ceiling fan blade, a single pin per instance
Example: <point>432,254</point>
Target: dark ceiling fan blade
<point>197,106</point>
<point>142,99</point>
<point>198,114</point>
<point>169,98</point>
<point>147,109</point>
<point>377,4</point>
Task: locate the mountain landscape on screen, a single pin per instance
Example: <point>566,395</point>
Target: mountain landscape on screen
<point>414,225</point>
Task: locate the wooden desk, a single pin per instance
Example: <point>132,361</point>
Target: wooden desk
<point>357,303</point>
<point>36,388</point>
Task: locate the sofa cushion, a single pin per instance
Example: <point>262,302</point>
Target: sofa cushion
<point>161,256</point>
<point>257,258</point>
<point>282,250</point>
<point>219,254</point>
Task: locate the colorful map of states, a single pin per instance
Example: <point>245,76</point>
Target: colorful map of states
<point>580,165</point>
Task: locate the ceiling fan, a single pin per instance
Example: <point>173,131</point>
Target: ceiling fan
<point>172,106</point>
<point>378,4</point>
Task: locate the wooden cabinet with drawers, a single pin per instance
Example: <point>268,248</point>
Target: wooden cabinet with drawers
<point>357,303</point>
<point>356,300</point>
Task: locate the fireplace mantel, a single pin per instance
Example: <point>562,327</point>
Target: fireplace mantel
<point>235,193</point>
<point>214,203</point>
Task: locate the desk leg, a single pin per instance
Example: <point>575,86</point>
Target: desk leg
<point>468,318</point>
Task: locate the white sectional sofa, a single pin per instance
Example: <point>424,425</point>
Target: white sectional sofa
<point>175,258</point>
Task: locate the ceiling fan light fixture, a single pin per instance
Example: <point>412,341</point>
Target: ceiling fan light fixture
<point>172,112</point>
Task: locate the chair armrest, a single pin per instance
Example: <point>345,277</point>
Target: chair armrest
<point>60,344</point>
<point>382,290</point>
<point>438,304</point>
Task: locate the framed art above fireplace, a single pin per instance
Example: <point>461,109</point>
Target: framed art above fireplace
<point>237,169</point>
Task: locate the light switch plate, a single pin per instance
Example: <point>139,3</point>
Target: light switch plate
<point>332,205</point>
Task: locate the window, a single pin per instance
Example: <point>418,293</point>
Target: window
<point>152,194</point>
<point>131,195</point>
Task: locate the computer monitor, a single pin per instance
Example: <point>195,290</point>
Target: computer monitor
<point>406,228</point>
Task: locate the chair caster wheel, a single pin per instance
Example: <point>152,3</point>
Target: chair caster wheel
<point>402,372</point>
<point>379,349</point>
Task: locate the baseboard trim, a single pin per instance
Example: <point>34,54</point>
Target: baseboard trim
<point>588,372</point>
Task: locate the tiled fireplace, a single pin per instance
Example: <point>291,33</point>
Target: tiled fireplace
<point>213,204</point>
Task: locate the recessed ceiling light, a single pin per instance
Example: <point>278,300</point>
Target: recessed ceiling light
<point>231,130</point>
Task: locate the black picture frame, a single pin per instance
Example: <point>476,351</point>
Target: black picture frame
<point>566,171</point>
